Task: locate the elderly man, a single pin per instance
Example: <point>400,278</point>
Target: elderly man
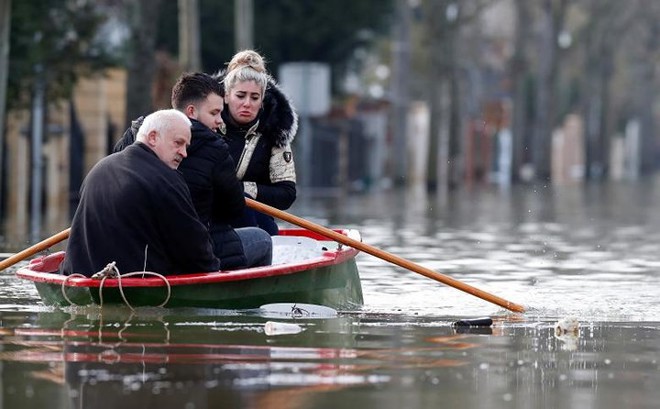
<point>136,210</point>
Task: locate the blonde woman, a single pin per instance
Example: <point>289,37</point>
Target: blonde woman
<point>259,126</point>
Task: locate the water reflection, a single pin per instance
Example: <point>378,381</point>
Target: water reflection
<point>178,358</point>
<point>202,359</point>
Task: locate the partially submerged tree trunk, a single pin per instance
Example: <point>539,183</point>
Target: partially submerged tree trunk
<point>442,30</point>
<point>519,71</point>
<point>647,64</point>
<point>401,55</point>
<point>607,25</point>
<point>597,104</point>
<point>553,12</point>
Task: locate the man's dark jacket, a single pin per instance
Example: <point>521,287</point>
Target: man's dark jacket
<point>134,206</point>
<point>216,193</point>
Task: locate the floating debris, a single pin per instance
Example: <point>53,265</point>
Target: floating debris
<point>298,310</point>
<point>567,330</point>
<point>281,328</point>
<point>567,326</point>
<point>475,322</point>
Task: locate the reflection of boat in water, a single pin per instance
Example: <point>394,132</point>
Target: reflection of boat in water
<point>203,358</point>
<point>306,269</point>
<point>178,358</point>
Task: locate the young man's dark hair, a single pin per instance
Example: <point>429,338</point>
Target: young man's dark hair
<point>193,88</point>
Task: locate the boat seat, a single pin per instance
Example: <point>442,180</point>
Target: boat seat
<point>288,249</point>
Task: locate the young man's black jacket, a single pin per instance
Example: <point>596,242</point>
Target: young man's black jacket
<point>216,193</point>
<point>136,211</point>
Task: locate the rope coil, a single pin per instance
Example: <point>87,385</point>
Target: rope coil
<point>111,271</point>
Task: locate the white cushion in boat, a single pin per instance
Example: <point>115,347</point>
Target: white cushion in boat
<point>290,249</point>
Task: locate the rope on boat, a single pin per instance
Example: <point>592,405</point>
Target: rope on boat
<point>111,271</point>
<point>66,297</point>
<point>143,273</point>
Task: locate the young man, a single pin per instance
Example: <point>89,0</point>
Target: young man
<point>210,174</point>
<point>135,208</point>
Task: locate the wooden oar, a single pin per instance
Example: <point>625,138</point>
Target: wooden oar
<point>374,251</point>
<point>32,250</point>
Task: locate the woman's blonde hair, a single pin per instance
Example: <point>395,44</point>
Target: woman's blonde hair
<point>246,65</point>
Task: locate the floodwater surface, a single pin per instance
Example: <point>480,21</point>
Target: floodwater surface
<point>582,260</point>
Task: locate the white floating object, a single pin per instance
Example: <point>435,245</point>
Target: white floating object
<point>299,310</point>
<point>567,326</point>
<point>567,330</point>
<point>281,328</point>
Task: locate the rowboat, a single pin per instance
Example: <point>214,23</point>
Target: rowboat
<point>307,268</point>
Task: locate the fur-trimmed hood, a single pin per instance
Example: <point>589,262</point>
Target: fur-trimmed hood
<point>278,121</point>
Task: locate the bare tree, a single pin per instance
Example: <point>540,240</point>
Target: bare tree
<point>243,24</point>
<point>143,24</point>
<point>443,22</point>
<point>519,70</point>
<point>190,57</point>
<point>553,13</point>
<point>600,36</point>
<point>5,20</point>
<point>441,16</point>
<point>645,67</point>
<point>400,87</point>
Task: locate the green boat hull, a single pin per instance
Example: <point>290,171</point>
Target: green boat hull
<point>337,286</point>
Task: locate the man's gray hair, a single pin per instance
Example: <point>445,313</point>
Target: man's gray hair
<point>160,121</point>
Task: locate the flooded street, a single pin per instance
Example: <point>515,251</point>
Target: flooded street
<point>588,251</point>
<point>583,260</point>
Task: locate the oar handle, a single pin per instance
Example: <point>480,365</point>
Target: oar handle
<point>30,251</point>
<point>401,262</point>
